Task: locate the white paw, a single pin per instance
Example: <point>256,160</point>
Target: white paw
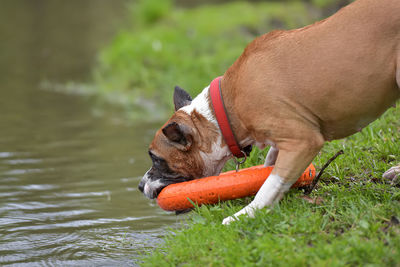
<point>248,211</point>
<point>392,174</point>
<point>228,220</point>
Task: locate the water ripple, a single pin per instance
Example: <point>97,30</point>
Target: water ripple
<point>38,187</point>
<point>41,216</point>
<point>26,171</point>
<point>12,154</point>
<point>76,224</point>
<point>83,194</point>
<point>22,161</point>
<point>32,205</point>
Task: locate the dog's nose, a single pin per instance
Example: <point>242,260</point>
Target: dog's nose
<point>141,186</point>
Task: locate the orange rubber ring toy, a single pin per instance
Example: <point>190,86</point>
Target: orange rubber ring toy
<point>228,185</point>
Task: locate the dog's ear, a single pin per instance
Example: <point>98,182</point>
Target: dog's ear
<point>178,135</point>
<point>181,98</point>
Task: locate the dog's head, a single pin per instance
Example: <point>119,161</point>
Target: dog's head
<point>187,147</point>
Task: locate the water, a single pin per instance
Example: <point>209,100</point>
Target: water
<point>68,174</point>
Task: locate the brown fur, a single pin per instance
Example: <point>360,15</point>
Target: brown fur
<point>302,87</point>
<point>188,163</point>
<point>325,81</point>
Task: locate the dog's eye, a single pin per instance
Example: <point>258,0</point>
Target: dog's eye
<point>151,154</point>
<point>153,157</point>
<point>160,163</point>
<point>157,160</point>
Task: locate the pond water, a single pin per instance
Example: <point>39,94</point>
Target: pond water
<point>68,173</point>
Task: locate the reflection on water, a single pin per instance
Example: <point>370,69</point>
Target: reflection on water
<point>67,178</point>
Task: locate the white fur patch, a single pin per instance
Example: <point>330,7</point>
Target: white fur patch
<point>201,104</point>
<point>270,192</point>
<point>146,190</point>
<point>215,161</point>
<point>149,187</point>
<point>271,157</point>
<point>145,177</point>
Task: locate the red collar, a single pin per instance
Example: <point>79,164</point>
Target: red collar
<point>222,118</point>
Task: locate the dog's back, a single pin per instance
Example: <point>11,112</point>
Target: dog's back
<point>339,74</point>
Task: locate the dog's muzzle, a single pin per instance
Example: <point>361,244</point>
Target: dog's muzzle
<point>151,186</point>
<point>153,182</point>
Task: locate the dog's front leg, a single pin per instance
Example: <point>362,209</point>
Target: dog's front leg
<point>289,166</point>
<point>271,157</point>
<point>270,192</point>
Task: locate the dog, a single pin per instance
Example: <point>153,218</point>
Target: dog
<point>291,90</point>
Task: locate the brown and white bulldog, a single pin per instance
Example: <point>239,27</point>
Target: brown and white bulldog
<point>291,90</point>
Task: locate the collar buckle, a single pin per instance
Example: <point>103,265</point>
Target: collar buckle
<point>239,162</point>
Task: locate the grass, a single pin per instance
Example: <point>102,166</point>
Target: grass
<point>166,45</point>
<point>357,222</point>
